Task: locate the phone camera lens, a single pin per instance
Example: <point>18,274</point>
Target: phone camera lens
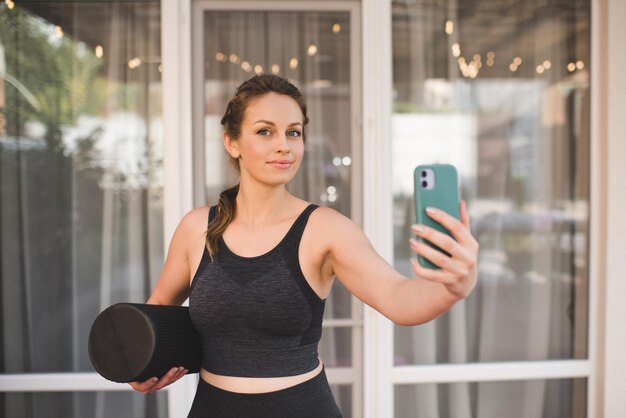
<point>424,183</point>
<point>424,173</point>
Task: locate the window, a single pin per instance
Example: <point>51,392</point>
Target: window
<point>81,223</point>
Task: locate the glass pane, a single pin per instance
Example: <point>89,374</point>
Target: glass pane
<point>336,347</point>
<point>343,397</point>
<point>313,51</point>
<point>84,405</point>
<point>80,173</point>
<point>563,398</point>
<point>338,304</point>
<point>502,92</point>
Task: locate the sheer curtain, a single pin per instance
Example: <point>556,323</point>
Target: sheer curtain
<point>501,91</point>
<point>80,188</point>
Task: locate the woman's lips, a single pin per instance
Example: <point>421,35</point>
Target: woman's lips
<point>280,164</point>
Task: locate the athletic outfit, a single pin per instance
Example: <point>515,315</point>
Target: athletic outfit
<point>258,317</point>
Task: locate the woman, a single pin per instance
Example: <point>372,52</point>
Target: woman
<point>258,275</point>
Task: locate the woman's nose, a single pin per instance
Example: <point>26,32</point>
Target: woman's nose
<point>282,141</point>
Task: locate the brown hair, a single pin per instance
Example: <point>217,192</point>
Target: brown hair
<point>253,88</point>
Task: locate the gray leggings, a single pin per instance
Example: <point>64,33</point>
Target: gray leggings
<point>310,399</point>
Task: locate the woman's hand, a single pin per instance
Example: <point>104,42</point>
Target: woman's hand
<point>154,384</point>
<point>458,270</point>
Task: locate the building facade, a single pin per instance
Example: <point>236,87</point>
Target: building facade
<point>109,134</point>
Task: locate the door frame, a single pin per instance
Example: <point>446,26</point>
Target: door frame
<point>187,161</point>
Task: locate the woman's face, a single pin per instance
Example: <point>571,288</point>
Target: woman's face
<point>271,144</point>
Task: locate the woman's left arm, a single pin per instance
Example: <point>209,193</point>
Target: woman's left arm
<point>406,301</point>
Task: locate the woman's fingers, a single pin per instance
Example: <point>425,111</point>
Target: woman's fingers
<point>443,241</point>
<point>440,276</point>
<point>458,228</point>
<point>456,256</point>
<point>145,386</point>
<point>153,384</point>
<point>170,377</point>
<point>465,216</point>
<point>457,265</point>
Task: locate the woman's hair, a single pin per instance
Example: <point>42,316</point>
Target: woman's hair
<point>249,90</point>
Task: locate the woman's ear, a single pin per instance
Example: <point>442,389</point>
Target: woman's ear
<point>231,146</point>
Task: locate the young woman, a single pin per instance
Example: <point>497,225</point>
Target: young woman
<point>259,265</point>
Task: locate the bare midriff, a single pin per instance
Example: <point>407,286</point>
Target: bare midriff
<point>257,384</point>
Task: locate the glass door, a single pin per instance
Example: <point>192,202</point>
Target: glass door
<point>503,93</point>
<point>316,46</point>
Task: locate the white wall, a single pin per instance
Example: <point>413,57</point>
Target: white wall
<point>615,302</point>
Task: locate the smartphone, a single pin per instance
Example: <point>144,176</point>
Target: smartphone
<point>435,185</point>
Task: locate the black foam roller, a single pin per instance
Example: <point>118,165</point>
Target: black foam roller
<point>133,342</point>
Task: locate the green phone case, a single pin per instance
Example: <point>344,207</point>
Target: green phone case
<point>443,194</point>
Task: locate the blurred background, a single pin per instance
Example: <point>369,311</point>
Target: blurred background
<point>499,88</point>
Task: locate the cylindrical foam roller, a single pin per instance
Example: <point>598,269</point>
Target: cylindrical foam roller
<point>133,342</point>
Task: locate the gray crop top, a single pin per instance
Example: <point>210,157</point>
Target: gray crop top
<point>257,316</point>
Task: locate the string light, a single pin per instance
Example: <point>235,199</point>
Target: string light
<point>336,28</point>
<point>449,27</point>
<point>58,32</point>
<point>99,51</point>
<point>580,65</point>
<point>275,68</point>
<point>312,50</point>
<point>234,58</point>
<point>258,69</point>
<point>10,4</point>
<point>293,63</point>
<point>540,69</point>
<point>517,61</point>
<point>220,56</point>
<point>134,63</point>
<point>456,49</point>
<point>246,66</point>
<point>547,64</point>
<point>571,67</point>
<point>338,161</point>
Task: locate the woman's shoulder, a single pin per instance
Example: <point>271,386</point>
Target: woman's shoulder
<point>332,222</point>
<point>196,218</point>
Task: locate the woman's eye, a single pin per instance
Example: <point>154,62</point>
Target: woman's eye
<point>262,131</point>
<point>294,133</point>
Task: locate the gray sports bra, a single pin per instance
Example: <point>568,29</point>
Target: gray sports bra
<point>257,316</point>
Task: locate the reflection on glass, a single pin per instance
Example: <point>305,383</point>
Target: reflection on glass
<point>500,96</point>
<point>80,176</point>
<point>343,397</point>
<point>335,347</point>
<point>85,404</point>
<point>519,399</point>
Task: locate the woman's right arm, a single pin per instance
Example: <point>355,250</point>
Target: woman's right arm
<point>172,287</point>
